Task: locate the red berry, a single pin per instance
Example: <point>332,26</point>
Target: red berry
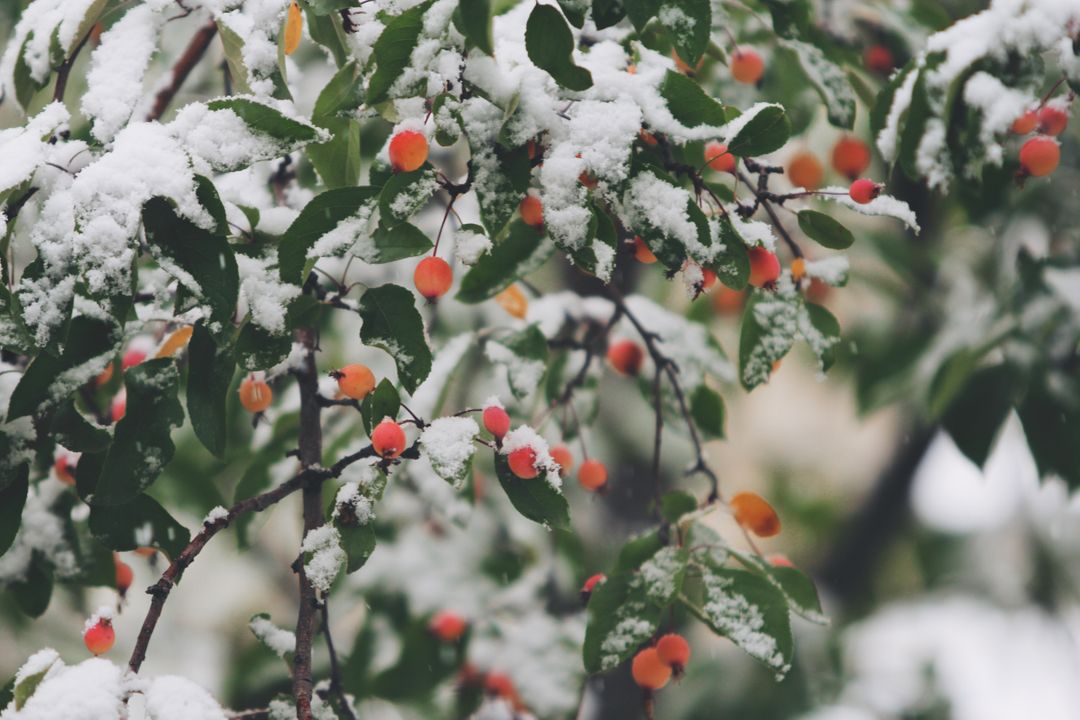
<point>64,469</point>
<point>864,190</point>
<point>354,381</point>
<point>755,514</point>
<point>592,582</point>
<point>255,395</point>
<point>1040,156</point>
<point>747,66</point>
<point>447,626</point>
<point>119,407</point>
<point>726,301</point>
<point>408,151</point>
<point>779,560</point>
<point>532,211</point>
<point>388,439</point>
<point>592,475</point>
<point>433,277</point>
<point>708,278</point>
<point>496,421</point>
<point>626,356</point>
<point>718,158</point>
<point>132,358</point>
<point>878,59</point>
<point>649,671</point>
<point>673,650</point>
<point>501,685</point>
<point>1025,123</point>
<point>850,156</point>
<point>523,463</point>
<point>124,574</point>
<point>563,458</point>
<point>1052,120</point>
<point>99,637</point>
<point>764,267</point>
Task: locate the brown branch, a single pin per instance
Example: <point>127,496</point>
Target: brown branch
<point>310,456</point>
<point>764,202</point>
<point>65,70</point>
<point>194,52</point>
<point>337,687</point>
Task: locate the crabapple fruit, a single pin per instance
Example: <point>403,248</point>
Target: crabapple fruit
<point>592,475</point>
<point>388,439</point>
<point>649,671</point>
<point>755,514</point>
<point>532,211</point>
<point>408,151</point>
<point>64,469</point>
<point>564,458</point>
<point>124,574</point>
<point>523,463</point>
<point>805,171</point>
<point>1052,120</point>
<point>878,59</point>
<point>433,277</point>
<point>626,356</point>
<point>255,395</point>
<point>99,637</point>
<point>674,651</point>
<point>496,421</point>
<point>513,301</point>
<point>1039,156</point>
<point>764,267</point>
<point>850,156</point>
<point>447,626</point>
<point>718,158</point>
<point>1025,123</point>
<point>747,66</point>
<point>864,190</point>
<point>354,381</point>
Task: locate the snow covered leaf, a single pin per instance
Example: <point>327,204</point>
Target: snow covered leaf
<point>732,264</point>
<point>338,160</point>
<point>279,641</point>
<point>391,322</point>
<point>688,23</point>
<point>797,587</point>
<point>524,354</point>
<point>502,181</point>
<point>141,522</point>
<point>474,21</point>
<point>828,79</point>
<point>536,499</point>
<point>141,446</point>
<point>883,103</point>
<point>31,674</point>
<point>393,50</point>
<point>73,431</point>
<point>267,120</point>
<point>707,409</point>
<point>598,256</point>
<point>88,348</point>
<point>257,349</point>
<point>200,260</point>
<point>523,250</point>
<point>406,193</point>
<point>768,332</point>
<point>383,402</point>
<point>691,105</point>
<point>449,445</point>
<point>318,218</point>
<point>550,45</point>
<point>624,611</point>
<point>881,206</point>
<point>825,230</point>
<point>12,500</point>
<point>761,129</point>
<point>210,373</point>
<point>824,335</point>
<point>751,612</point>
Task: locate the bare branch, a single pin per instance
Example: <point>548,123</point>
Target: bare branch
<point>194,52</point>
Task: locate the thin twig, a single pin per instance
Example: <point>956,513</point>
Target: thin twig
<point>336,685</point>
<point>194,52</point>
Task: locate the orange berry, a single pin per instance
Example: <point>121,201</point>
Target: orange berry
<point>354,381</point>
<point>649,671</point>
<point>124,574</point>
<point>99,637</point>
<point>673,650</point>
<point>798,269</point>
<point>779,560</point>
<point>513,301</point>
<point>408,151</point>
<point>1025,123</point>
<point>532,211</point>
<point>432,277</point>
<point>592,582</point>
<point>764,267</point>
<point>448,626</point>
<point>755,514</point>
<point>805,171</point>
<point>523,463</point>
<point>64,469</point>
<point>592,475</point>
<point>747,66</point>
<point>388,439</point>
<point>878,59</point>
<point>496,421</point>
<point>1052,120</point>
<point>850,156</point>
<point>255,395</point>
<point>726,301</point>
<point>864,190</point>
<point>708,278</point>
<point>642,253</point>
<point>626,356</point>
<point>564,458</point>
<point>718,158</point>
<point>1040,156</point>
<point>294,27</point>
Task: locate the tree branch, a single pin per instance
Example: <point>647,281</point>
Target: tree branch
<point>65,70</point>
<point>194,52</point>
<point>337,687</point>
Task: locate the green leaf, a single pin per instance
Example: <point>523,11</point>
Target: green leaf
<point>140,522</point>
<point>766,131</point>
<point>141,446</point>
<point>825,230</point>
<point>828,329</point>
<point>233,45</point>
<point>1052,424</point>
<point>24,689</point>
<point>476,24</point>
<point>879,114</point>
<point>210,373</point>
<point>88,348</point>
<point>689,104</point>
<point>624,611</point>
<point>501,187</point>
<point>637,550</point>
<point>915,120</point>
<point>406,193</point>
<point>207,262</point>
<point>550,45</point>
<point>519,253</point>
<point>383,402</point>
<point>210,199</point>
<point>391,322</point>
<point>797,587</point>
<point>25,85</point>
<point>74,432</point>
<point>827,79</point>
<point>318,217</point>
<point>535,499</point>
<point>338,160</point>
<point>606,13</point>
<point>675,504</point>
<point>267,120</point>
<point>32,592</point>
<point>765,337</point>
<point>256,349</point>
<point>751,612</point>
<point>12,500</point>
<point>688,28</point>
<point>358,542</point>
<point>732,265</point>
<point>707,409</point>
<point>641,12</point>
<point>976,414</point>
<point>393,50</point>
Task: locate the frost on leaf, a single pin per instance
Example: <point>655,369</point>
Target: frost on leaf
<point>750,612</point>
<point>323,556</point>
<point>448,444</point>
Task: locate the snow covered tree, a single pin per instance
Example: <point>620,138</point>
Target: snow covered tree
<point>412,262</point>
